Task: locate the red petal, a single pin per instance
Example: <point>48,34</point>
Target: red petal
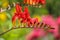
<point>18,8</point>
<point>13,18</point>
<point>26,12</point>
<point>26,9</point>
<point>42,2</point>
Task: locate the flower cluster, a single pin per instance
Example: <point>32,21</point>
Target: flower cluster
<point>23,17</point>
<point>35,2</point>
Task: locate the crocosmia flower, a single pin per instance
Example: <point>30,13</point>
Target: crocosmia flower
<point>26,15</point>
<point>17,15</point>
<point>23,17</point>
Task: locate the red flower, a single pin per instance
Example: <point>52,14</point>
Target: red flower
<point>18,8</point>
<point>26,12</point>
<point>14,17</point>
<point>50,21</point>
<point>18,12</point>
<point>26,16</point>
<point>17,15</point>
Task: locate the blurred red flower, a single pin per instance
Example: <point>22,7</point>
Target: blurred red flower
<point>35,34</point>
<point>35,2</point>
<point>58,20</point>
<point>50,21</point>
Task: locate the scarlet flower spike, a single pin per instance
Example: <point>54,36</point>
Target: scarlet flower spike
<point>24,18</point>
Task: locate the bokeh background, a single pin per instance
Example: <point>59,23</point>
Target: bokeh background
<point>52,7</point>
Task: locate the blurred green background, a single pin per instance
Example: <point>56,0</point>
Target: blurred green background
<point>52,8</point>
